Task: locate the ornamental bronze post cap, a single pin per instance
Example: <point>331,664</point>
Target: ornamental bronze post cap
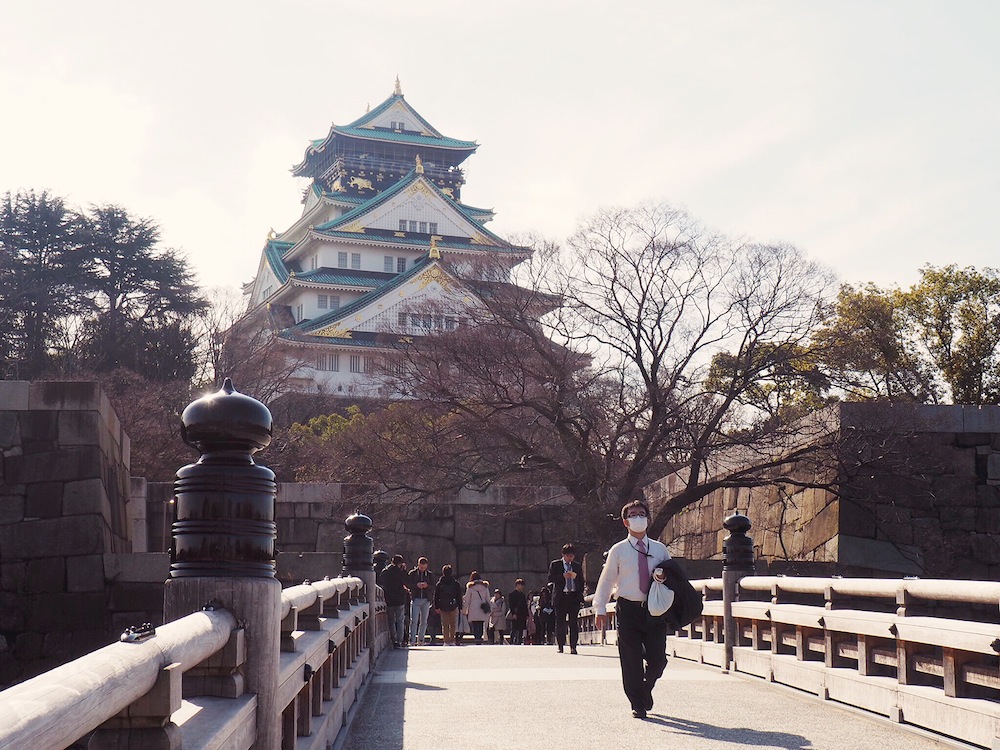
<point>358,523</point>
<point>226,420</point>
<point>738,523</point>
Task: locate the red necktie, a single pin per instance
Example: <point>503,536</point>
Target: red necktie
<point>643,566</point>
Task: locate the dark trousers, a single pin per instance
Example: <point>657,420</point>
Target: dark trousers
<point>641,637</point>
<point>567,615</point>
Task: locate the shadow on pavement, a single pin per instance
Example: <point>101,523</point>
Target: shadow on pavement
<point>733,735</point>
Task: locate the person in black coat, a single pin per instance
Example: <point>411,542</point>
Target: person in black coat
<point>395,587</point>
<point>566,577</point>
<point>517,606</point>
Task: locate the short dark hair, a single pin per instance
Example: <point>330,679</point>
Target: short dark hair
<point>568,549</point>
<point>446,570</point>
<point>634,504</point>
<point>519,582</point>
<point>397,559</point>
<point>423,561</point>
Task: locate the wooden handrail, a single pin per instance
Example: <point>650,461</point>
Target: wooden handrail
<point>55,709</point>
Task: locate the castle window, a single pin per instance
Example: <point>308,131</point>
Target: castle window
<point>402,225</point>
<point>423,227</point>
<point>334,301</point>
<point>355,363</point>
<point>356,260</point>
<point>413,226</point>
<point>341,260</point>
<point>433,227</point>
<point>322,301</point>
<point>401,320</point>
<point>450,324</point>
<point>389,262</point>
<point>328,361</point>
<point>400,265</point>
<point>314,263</point>
<point>298,313</point>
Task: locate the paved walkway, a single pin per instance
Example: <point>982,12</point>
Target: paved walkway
<point>533,698</point>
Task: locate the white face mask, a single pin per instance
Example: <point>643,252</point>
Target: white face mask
<point>637,524</point>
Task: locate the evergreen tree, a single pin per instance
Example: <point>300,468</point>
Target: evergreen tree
<point>43,277</point>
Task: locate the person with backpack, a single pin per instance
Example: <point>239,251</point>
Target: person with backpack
<point>447,597</point>
<point>641,635</point>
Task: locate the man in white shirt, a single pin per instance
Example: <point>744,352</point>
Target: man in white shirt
<point>641,636</point>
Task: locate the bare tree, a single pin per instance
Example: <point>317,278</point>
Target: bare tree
<point>590,368</point>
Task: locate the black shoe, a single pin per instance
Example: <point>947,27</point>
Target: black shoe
<point>560,648</point>
<point>638,713</point>
<point>648,699</point>
<point>573,650</point>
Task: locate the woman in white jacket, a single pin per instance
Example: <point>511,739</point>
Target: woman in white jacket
<point>476,604</point>
<point>498,617</point>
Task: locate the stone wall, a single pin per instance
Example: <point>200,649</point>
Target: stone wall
<point>505,532</point>
<point>934,511</point>
<point>64,527</point>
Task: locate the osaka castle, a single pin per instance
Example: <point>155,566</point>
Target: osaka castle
<point>382,241</point>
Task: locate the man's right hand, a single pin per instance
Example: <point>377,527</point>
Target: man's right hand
<point>600,621</point>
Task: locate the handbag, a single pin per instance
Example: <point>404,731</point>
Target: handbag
<point>485,607</point>
<point>659,599</point>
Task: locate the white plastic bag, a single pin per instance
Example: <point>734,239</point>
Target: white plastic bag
<point>659,599</point>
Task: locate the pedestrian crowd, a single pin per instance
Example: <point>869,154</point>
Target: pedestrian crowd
<point>426,608</point>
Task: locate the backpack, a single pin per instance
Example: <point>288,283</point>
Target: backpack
<point>450,594</point>
<point>687,604</point>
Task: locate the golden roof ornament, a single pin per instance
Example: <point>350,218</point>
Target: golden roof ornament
<point>434,253</point>
<point>420,165</point>
<point>399,89</point>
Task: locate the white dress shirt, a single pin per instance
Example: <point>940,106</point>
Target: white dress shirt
<point>622,571</point>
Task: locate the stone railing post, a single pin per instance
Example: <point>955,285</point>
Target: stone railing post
<point>223,538</point>
<point>358,561</point>
<point>737,561</point>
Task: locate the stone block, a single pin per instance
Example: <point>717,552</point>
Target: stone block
<point>43,500</point>
<point>535,559</point>
<point>12,574</point>
<point>296,567</point>
<point>39,431</point>
<point>65,396</point>
<point>65,612</point>
<point>127,596</point>
<point>11,509</point>
<point>10,435</point>
<point>985,549</point>
<point>78,428</point>
<point>879,556</point>
<point>940,418</point>
<point>84,573</point>
<point>468,560</point>
<point>14,395</point>
<point>972,439</point>
<point>146,567</point>
<point>46,575</point>
<point>330,537</point>
<point>521,532</point>
<point>473,526</point>
<point>86,496</point>
<point>821,528</point>
<point>993,466</point>
<point>429,528</point>
<point>12,616</point>
<point>497,559</point>
<point>54,466</point>
<point>48,537</point>
<point>981,419</point>
<point>958,519</point>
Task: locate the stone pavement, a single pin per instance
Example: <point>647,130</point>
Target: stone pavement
<point>533,698</point>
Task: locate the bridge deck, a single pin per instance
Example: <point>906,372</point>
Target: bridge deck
<point>530,697</point>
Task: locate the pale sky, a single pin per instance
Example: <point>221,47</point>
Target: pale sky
<point>865,133</point>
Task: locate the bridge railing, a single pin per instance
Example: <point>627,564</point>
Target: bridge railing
<point>181,684</point>
<point>921,652</point>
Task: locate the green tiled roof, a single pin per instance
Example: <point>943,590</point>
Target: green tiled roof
<point>274,250</point>
<point>373,114</point>
<point>414,138</point>
<point>346,277</point>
